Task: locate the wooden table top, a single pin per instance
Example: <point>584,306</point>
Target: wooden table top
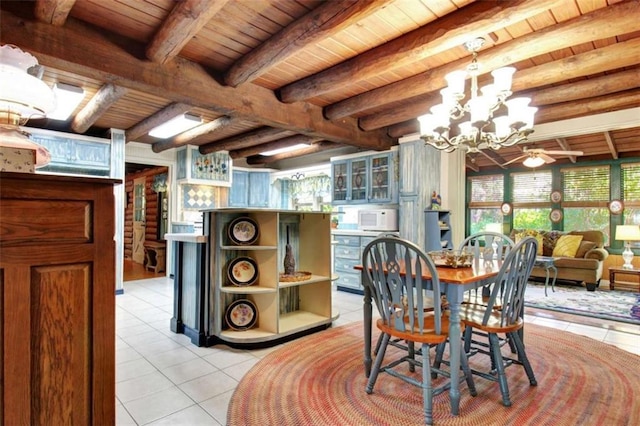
<point>477,272</point>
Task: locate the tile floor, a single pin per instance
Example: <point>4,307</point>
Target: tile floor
<point>162,378</point>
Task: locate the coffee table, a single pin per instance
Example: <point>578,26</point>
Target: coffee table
<point>547,262</point>
<point>614,271</point>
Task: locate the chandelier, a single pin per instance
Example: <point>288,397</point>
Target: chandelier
<point>489,120</point>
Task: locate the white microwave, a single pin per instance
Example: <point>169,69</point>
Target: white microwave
<point>378,220</point>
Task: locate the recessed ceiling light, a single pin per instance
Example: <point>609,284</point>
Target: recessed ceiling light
<point>67,98</point>
<point>285,149</point>
<point>176,125</point>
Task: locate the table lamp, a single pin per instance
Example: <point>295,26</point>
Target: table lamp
<point>627,233</point>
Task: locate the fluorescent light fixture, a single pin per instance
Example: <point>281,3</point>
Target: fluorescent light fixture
<point>176,125</point>
<point>533,162</point>
<point>67,98</point>
<point>285,149</point>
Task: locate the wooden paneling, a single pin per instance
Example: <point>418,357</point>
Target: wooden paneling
<point>58,301</point>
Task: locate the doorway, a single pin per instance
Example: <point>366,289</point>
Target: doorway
<point>146,216</point>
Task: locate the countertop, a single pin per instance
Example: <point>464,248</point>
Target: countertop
<point>186,237</point>
<point>360,233</point>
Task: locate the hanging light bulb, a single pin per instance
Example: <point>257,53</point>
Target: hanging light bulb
<point>22,96</point>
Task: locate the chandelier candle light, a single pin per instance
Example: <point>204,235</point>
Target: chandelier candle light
<point>627,233</point>
<point>482,122</point>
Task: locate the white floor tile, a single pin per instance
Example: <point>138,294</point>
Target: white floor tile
<point>133,369</point>
<point>162,360</point>
<point>192,416</point>
<point>158,405</point>
<point>208,386</point>
<point>142,386</point>
<point>217,406</point>
<point>189,370</point>
<point>585,330</point>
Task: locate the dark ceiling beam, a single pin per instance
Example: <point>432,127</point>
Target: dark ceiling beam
<point>245,140</point>
<point>185,20</point>
<point>191,134</point>
<point>320,23</point>
<point>494,158</point>
<point>83,50</point>
<point>160,117</point>
<point>96,107</point>
<point>54,12</point>
<point>316,147</point>
<point>585,28</point>
<point>270,146</point>
<point>446,33</point>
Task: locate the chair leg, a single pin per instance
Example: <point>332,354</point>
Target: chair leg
<point>384,342</point>
<point>464,363</point>
<point>523,358</point>
<point>412,354</point>
<point>494,343</point>
<point>468,331</point>
<point>427,391</point>
<point>438,359</point>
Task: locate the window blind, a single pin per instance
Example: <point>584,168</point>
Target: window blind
<point>487,189</point>
<point>630,181</point>
<point>531,187</point>
<point>586,184</point>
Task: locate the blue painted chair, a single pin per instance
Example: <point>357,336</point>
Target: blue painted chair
<point>502,314</point>
<point>410,310</point>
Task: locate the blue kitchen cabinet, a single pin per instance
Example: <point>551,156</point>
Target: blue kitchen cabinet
<point>249,189</point>
<point>239,191</point>
<point>365,179</point>
<point>259,189</point>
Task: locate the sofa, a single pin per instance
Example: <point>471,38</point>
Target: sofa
<point>584,265</point>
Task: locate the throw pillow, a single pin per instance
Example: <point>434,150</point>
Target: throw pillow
<point>584,247</point>
<point>567,246</point>
<point>530,233</point>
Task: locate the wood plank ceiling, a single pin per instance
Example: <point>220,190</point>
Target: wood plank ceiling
<point>339,75</point>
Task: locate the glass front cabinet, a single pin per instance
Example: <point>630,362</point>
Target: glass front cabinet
<point>366,179</point>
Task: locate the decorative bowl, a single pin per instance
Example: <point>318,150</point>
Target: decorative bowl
<point>452,258</point>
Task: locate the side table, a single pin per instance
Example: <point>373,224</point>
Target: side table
<point>614,271</point>
<point>155,255</point>
<point>547,262</point>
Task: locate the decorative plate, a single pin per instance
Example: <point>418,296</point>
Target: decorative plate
<point>555,215</point>
<point>556,196</point>
<point>616,206</point>
<point>243,231</point>
<point>242,271</point>
<point>241,314</point>
<point>505,208</point>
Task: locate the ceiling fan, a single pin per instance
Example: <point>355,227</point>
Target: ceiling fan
<point>536,157</point>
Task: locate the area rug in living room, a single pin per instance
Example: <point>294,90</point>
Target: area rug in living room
<point>319,380</point>
<point>603,303</point>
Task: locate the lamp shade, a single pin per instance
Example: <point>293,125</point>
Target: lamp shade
<point>628,233</point>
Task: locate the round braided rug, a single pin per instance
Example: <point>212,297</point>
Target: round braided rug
<point>319,380</point>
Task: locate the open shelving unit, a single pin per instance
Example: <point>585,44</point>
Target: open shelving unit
<point>284,309</point>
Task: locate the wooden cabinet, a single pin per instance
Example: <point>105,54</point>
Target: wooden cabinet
<point>283,308</point>
<point>437,227</point>
<point>57,300</point>
<point>365,179</point>
<point>250,189</point>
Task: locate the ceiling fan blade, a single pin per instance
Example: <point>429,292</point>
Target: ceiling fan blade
<point>564,152</point>
<point>547,159</point>
<point>515,159</point>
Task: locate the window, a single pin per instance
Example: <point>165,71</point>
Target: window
<point>531,193</point>
<point>631,192</point>
<point>586,195</point>
<point>487,194</point>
